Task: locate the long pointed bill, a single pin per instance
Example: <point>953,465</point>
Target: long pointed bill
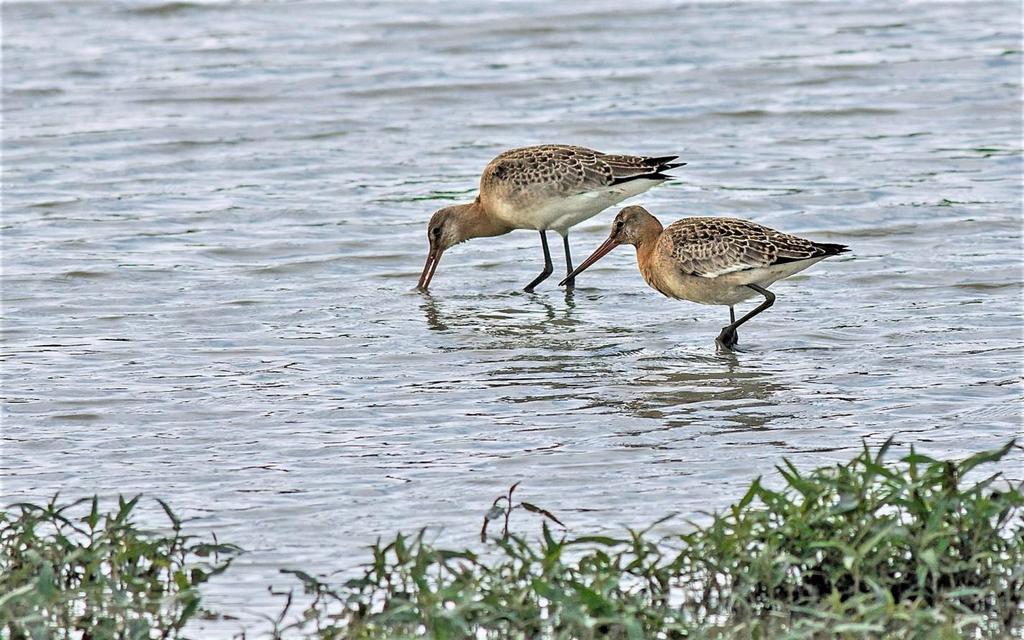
<point>599,253</point>
<point>433,258</point>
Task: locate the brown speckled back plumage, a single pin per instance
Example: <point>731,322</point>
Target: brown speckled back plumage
<point>560,171</point>
<point>715,246</point>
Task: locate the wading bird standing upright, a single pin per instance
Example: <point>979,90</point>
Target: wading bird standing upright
<point>547,187</point>
<point>711,260</point>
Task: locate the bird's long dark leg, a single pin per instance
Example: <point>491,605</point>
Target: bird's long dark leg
<point>570,282</point>
<point>547,265</point>
<point>732,315</point>
<point>727,337</point>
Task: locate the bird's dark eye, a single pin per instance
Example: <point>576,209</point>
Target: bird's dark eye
<point>436,232</point>
<point>618,225</point>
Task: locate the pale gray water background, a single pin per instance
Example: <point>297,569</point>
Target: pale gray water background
<point>214,215</point>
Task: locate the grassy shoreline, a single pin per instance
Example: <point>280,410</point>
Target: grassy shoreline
<point>870,548</point>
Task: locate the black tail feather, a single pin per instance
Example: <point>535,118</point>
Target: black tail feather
<point>657,166</point>
<point>830,249</point>
<point>660,160</point>
<point>663,163</point>
<point>654,175</point>
<point>824,250</point>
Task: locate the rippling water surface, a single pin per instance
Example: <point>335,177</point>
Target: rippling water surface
<point>214,215</point>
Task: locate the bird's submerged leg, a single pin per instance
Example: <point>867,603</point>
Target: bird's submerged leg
<point>548,268</point>
<point>569,282</point>
<point>728,338</point>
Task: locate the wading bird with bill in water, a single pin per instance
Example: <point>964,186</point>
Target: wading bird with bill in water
<point>717,261</point>
<point>547,187</point>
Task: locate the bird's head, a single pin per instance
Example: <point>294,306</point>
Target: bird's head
<point>630,225</point>
<point>633,225</point>
<point>451,225</point>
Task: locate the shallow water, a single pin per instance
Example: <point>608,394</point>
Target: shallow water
<point>214,216</point>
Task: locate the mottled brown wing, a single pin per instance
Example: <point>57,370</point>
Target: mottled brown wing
<point>712,247</point>
<point>564,170</point>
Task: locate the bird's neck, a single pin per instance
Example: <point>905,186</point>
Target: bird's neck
<point>648,240</point>
<point>475,221</point>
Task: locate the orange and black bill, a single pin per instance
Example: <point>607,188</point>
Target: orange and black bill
<point>601,251</point>
<point>433,258</point>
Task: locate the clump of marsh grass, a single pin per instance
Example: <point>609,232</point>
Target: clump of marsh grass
<point>871,548</point>
<point>74,571</point>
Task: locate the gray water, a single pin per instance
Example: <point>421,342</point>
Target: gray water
<point>214,216</point>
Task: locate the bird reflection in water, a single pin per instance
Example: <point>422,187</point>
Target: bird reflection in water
<point>432,312</point>
<point>440,319</point>
<point>546,360</point>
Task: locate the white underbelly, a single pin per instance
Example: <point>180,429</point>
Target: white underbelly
<point>730,289</point>
<point>559,214</point>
